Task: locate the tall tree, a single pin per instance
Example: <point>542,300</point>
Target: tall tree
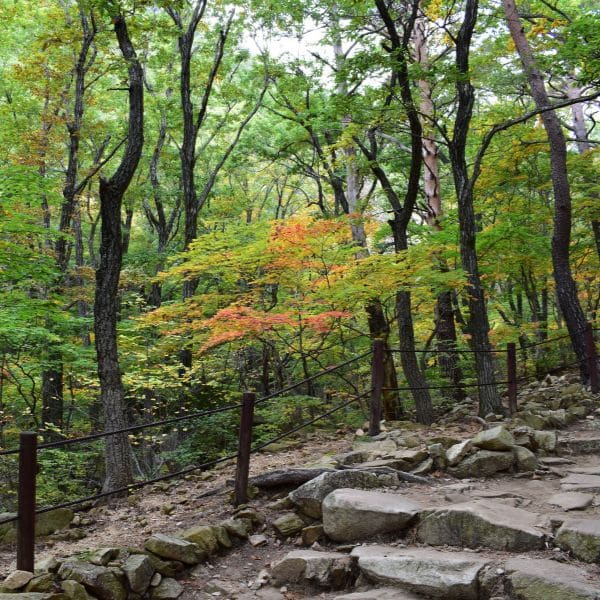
<point>479,325</point>
<point>106,301</point>
<point>566,289</point>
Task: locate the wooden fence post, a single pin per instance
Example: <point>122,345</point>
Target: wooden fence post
<point>511,372</point>
<point>376,387</point>
<point>245,441</point>
<point>26,501</point>
<point>592,359</point>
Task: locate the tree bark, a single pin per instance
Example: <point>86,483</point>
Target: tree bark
<point>478,325</point>
<point>376,319</point>
<point>445,328</point>
<point>566,290</point>
<point>118,458</point>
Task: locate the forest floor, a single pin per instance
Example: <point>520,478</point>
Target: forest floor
<point>235,574</point>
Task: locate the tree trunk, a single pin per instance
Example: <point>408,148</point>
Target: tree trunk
<point>583,146</point>
<point>378,326</point>
<point>117,459</point>
<point>52,397</point>
<point>445,328</point>
<point>478,325</point>
<point>566,290</point>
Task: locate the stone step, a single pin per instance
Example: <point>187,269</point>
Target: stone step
<point>448,575</point>
<point>541,579</point>
<point>380,594</point>
<point>350,515</point>
<point>581,537</point>
<point>581,482</point>
<point>579,445</point>
<point>332,570</point>
<point>482,523</point>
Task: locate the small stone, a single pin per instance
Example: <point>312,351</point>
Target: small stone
<point>240,528</point>
<point>74,590</point>
<point>167,589</point>
<point>258,540</point>
<point>175,549</point>
<point>156,579</point>
<point>288,524</point>
<point>457,452</point>
<point>102,556</point>
<point>312,534</point>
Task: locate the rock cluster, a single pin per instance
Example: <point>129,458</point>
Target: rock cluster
<point>128,573</point>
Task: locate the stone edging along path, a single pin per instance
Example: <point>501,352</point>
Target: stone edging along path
<point>364,498</point>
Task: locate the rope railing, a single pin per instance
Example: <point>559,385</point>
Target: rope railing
<point>191,416</point>
<point>188,470</point>
<point>302,382</point>
<point>245,448</point>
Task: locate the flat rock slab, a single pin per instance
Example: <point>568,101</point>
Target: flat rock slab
<point>553,461</point>
<point>327,569</point>
<point>541,579</point>
<point>448,575</point>
<point>581,537</point>
<point>26,596</point>
<point>380,594</point>
<point>482,523</point>
<point>579,482</point>
<point>585,470</point>
<point>309,497</point>
<point>571,500</point>
<point>358,514</point>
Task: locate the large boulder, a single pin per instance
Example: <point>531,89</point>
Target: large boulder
<point>99,581</point>
<point>357,514</point>
<point>541,579</point>
<point>448,575</point>
<point>45,524</point>
<point>326,569</point>
<point>309,496</point>
<point>481,523</point>
<point>483,463</point>
<point>380,594</point>
<point>581,537</point>
<point>496,438</point>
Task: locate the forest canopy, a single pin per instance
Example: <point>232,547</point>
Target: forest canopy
<point>199,198</point>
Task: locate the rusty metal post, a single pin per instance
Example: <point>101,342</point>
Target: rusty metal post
<point>245,441</point>
<point>26,501</point>
<point>592,357</point>
<point>376,387</point>
<point>511,372</point>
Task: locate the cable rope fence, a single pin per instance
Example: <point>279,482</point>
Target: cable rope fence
<point>29,448</point>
